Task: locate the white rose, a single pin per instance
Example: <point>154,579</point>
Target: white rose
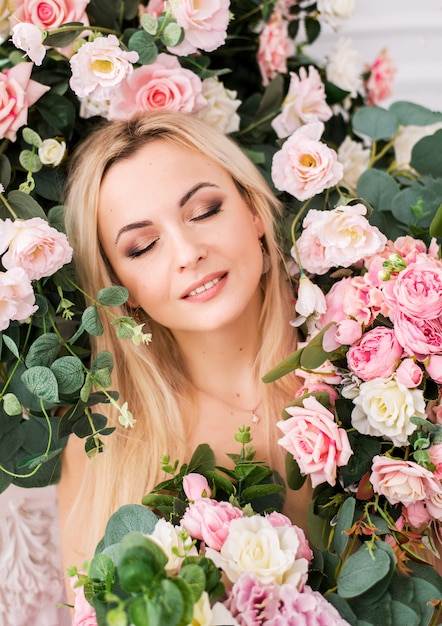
<point>89,107</point>
<point>51,152</point>
<point>355,159</point>
<point>220,111</point>
<point>343,66</point>
<point>384,408</point>
<point>168,538</point>
<point>29,38</point>
<point>407,137</point>
<point>335,12</point>
<point>254,545</point>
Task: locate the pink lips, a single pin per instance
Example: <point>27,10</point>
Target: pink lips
<point>205,288</point>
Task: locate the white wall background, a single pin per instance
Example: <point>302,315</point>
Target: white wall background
<point>412,32</point>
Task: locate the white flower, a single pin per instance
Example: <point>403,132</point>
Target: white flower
<point>125,417</point>
<point>170,539</point>
<point>343,66</point>
<point>407,137</point>
<point>384,408</point>
<point>254,545</point>
<point>335,12</point>
<point>311,299</point>
<point>51,152</point>
<point>220,111</point>
<point>355,159</point>
<point>89,107</point>
<point>139,337</point>
<point>29,38</point>
<point>99,66</point>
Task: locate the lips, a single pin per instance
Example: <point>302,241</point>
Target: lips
<point>207,283</point>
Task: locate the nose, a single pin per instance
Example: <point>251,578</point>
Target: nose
<point>189,249</point>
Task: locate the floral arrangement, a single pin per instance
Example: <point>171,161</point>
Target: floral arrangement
<point>366,272</point>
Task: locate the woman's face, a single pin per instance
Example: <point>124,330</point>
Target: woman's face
<point>180,237</point>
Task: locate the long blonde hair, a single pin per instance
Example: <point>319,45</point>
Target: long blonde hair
<point>152,379</point>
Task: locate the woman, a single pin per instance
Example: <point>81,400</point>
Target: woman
<point>176,213</point>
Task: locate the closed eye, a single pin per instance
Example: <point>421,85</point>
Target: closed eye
<point>212,210</point>
<point>134,254</point>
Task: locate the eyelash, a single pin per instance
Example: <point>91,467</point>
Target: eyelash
<point>212,210</point>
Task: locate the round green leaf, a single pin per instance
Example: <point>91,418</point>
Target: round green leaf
<point>426,156</point>
<point>345,521</point>
<point>31,137</point>
<point>375,122</point>
<point>172,35</point>
<point>91,321</point>
<point>144,44</point>
<point>149,23</point>
<point>361,571</point>
<point>378,188</point>
<point>69,373</point>
<point>113,296</point>
<point>41,382</point>
<point>43,351</point>
<point>409,113</point>
<point>130,517</point>
<point>24,206</point>
<point>12,405</point>
<point>104,359</point>
<point>102,567</point>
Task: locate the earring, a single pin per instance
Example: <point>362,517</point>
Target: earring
<point>136,314</point>
<point>266,263</point>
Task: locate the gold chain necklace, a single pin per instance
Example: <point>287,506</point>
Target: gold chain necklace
<point>255,417</point>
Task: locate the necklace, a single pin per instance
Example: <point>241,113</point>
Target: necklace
<point>255,417</point>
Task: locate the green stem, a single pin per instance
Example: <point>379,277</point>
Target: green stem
<point>256,124</point>
<point>17,363</point>
<point>8,206</point>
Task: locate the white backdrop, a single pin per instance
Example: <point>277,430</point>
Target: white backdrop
<point>412,32</point>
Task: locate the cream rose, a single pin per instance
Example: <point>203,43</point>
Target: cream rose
<point>170,539</point>
<point>343,67</point>
<point>335,12</point>
<point>384,408</point>
<point>269,552</point>
<point>222,104</point>
<point>355,158</point>
<point>406,139</point>
<point>51,152</point>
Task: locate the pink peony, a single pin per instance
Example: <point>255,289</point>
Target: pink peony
<point>316,442</point>
<point>409,373</point>
<point>376,355</point>
<point>418,337</point>
<point>99,66</point>
<point>403,482</point>
<point>196,486</point>
<point>274,48</point>
<point>161,85</point>
<point>305,607</point>
<point>252,602</point>
<point>209,521</point>
<point>17,93</point>
<point>304,166</point>
<point>34,246</point>
<point>204,22</point>
<point>48,14</point>
<point>84,614</point>
<point>380,78</point>
<point>348,298</point>
<point>417,290</point>
<point>337,238</point>
<point>16,297</point>
<point>305,102</point>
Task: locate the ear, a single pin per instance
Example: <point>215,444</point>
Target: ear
<point>259,225</point>
<point>132,302</point>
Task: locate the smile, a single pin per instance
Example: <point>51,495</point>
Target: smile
<point>204,287</point>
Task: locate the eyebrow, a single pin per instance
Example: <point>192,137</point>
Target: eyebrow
<point>187,196</point>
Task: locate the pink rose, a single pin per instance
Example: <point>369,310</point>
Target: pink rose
<point>48,14</point>
<point>376,355</point>
<point>380,78</point>
<point>33,245</point>
<point>154,8</point>
<point>435,453</point>
<point>348,298</point>
<point>434,505</point>
<point>204,22</point>
<point>84,613</point>
<point>409,373</point>
<point>196,486</point>
<point>310,387</point>
<point>402,482</point>
<point>209,521</point>
<point>418,337</point>
<point>417,290</point>
<point>17,93</point>
<point>344,236</point>
<point>304,166</point>
<point>160,85</point>
<point>274,48</point>
<point>315,441</point>
<point>99,66</point>
<point>433,365</point>
<point>344,333</point>
<point>304,103</point>
<point>417,514</point>
<point>16,297</point>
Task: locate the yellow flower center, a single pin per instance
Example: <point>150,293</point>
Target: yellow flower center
<point>307,160</point>
<point>102,66</point>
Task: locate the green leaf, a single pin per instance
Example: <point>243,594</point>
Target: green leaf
<point>195,579</point>
<point>31,137</point>
<point>172,35</point>
<point>91,321</point>
<point>295,479</point>
<point>130,517</point>
<point>102,568</point>
<point>429,195</point>
<point>69,373</point>
<point>24,206</point>
<point>149,23</point>
<point>364,449</point>
<point>361,571</point>
<point>203,459</point>
<point>102,378</point>
<point>104,359</point>
<point>313,354</point>
<point>43,351</point>
<point>260,491</point>
<point>11,345</point>
<point>375,122</point>
<point>41,382</point>
<point>144,44</point>
<point>58,111</point>
<point>12,405</point>
<point>409,113</point>
<point>289,364</point>
<point>345,522</point>
<point>426,155</point>
<point>378,188</point>
<point>113,296</point>
<point>312,29</point>
<point>61,40</point>
<point>5,171</point>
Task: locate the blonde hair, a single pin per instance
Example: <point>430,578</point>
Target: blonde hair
<point>152,379</point>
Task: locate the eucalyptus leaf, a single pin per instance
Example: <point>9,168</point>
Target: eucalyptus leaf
<point>31,137</point>
<point>345,522</point>
<point>410,113</point>
<point>195,579</point>
<point>149,23</point>
<point>375,122</point>
<point>130,517</point>
<point>172,35</point>
<point>426,155</point>
<point>24,206</point>
<point>102,568</point>
<point>11,345</point>
<point>145,45</point>
<point>41,382</point>
<point>113,296</point>
<point>91,321</point>
<point>43,351</point>
<point>102,378</point>
<point>69,373</point>
<point>361,571</point>
<point>378,188</point>
<point>30,161</point>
